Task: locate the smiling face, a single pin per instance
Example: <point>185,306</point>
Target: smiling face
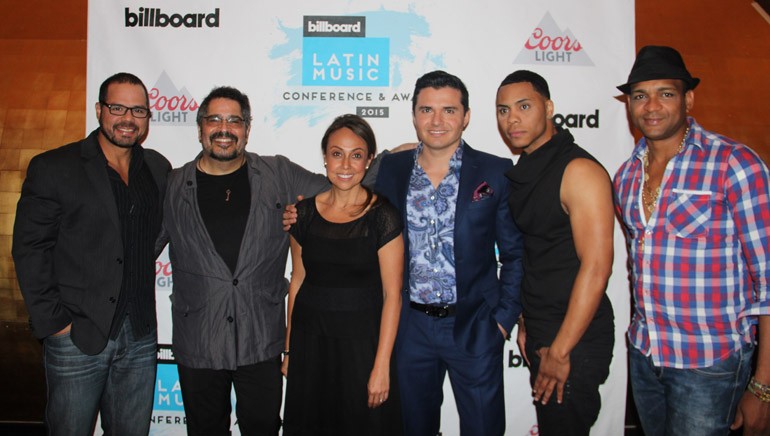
<point>659,108</point>
<point>223,138</point>
<point>439,118</point>
<point>524,116</point>
<point>346,159</point>
<point>125,130</point>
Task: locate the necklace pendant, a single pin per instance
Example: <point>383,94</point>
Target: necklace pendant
<point>227,198</point>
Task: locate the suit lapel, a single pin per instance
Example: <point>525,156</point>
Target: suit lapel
<point>95,166</point>
<point>468,176</point>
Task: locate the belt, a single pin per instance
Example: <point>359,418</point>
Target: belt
<point>432,310</point>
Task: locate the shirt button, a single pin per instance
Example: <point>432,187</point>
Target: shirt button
<point>229,319</point>
<point>112,299</point>
<point>435,270</point>
<point>432,197</point>
<point>119,261</point>
<point>438,294</point>
<point>432,222</point>
<point>235,282</point>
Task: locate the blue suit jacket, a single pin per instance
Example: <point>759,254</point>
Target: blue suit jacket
<point>483,299</point>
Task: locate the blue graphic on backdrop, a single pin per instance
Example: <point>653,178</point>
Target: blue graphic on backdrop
<point>351,69</point>
<point>168,393</point>
<point>345,62</point>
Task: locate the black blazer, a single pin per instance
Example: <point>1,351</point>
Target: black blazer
<point>67,243</point>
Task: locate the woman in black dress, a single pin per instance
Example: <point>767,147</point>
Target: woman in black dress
<point>344,298</point>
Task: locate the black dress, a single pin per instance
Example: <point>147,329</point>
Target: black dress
<point>335,326</point>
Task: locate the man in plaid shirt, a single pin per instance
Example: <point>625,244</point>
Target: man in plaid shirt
<point>695,209</point>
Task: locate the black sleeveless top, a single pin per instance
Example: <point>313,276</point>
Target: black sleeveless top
<point>550,260</point>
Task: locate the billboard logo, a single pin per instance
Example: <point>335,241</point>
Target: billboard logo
<point>515,360</point>
<point>171,105</point>
<point>348,59</point>
<point>331,26</point>
<point>153,17</point>
<point>590,121</point>
<point>165,354</point>
<point>548,44</point>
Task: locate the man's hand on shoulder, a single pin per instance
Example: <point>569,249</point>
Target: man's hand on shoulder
<point>290,214</point>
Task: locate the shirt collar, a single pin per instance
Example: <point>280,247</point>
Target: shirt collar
<point>696,131</point>
<point>455,162</point>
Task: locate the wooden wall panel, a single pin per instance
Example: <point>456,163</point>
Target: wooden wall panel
<point>43,69</point>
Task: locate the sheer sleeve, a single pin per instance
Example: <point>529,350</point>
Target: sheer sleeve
<point>388,223</point>
<point>305,210</point>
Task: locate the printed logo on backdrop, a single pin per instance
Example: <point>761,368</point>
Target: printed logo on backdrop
<point>349,63</point>
<point>156,17</point>
<point>549,44</point>
<point>171,106</point>
<point>577,121</point>
<point>164,281</point>
<point>165,354</point>
<point>168,407</point>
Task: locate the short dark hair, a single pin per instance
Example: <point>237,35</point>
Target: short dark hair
<point>121,78</point>
<point>440,79</point>
<point>357,125</point>
<point>525,76</point>
<point>229,93</point>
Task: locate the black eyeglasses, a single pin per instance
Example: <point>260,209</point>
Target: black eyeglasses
<point>120,110</point>
<point>232,121</point>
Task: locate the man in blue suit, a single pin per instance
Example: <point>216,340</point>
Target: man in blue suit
<point>453,201</point>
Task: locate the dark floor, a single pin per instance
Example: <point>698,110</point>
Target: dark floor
<point>23,384</point>
<point>22,400</point>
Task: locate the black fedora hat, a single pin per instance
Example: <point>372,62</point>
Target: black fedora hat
<point>654,62</point>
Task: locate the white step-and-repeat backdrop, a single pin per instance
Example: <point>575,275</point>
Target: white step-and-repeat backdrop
<point>303,63</point>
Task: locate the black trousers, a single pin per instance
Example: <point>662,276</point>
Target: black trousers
<point>258,391</point>
<point>589,368</point>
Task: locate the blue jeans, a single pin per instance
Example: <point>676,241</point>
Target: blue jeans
<point>681,402</point>
<point>119,382</point>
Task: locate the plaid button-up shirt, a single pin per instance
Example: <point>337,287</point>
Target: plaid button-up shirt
<point>699,263</point>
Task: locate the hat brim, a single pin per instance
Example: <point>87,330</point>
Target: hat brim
<point>691,82</point>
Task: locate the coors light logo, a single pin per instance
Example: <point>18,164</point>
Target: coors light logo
<point>171,106</point>
<point>163,274</point>
<point>548,44</point>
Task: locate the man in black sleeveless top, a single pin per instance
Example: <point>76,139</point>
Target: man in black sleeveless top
<point>561,199</point>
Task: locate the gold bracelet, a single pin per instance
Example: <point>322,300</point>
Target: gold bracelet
<point>761,391</point>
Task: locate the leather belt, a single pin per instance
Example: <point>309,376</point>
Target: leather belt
<point>435,311</point>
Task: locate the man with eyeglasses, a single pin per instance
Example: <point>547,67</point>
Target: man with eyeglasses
<point>222,218</point>
<point>83,244</point>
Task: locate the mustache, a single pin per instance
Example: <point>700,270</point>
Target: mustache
<point>126,125</point>
<point>223,134</point>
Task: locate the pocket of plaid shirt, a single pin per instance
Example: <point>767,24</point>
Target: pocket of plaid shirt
<point>689,213</point>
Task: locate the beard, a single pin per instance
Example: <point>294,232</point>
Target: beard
<point>120,141</point>
<point>231,154</point>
